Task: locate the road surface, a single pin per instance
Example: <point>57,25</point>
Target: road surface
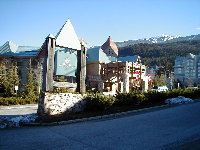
<point>171,128</point>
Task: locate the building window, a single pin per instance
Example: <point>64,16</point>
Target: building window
<point>179,70</point>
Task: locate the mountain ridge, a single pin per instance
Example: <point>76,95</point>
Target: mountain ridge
<point>159,39</point>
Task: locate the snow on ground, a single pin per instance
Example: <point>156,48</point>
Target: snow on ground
<point>9,122</point>
<point>178,100</point>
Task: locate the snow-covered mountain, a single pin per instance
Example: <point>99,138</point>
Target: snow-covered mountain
<point>159,39</point>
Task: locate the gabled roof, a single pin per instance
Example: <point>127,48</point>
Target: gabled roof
<point>97,55</point>
<point>110,44</point>
<point>67,37</point>
<point>12,49</point>
<point>133,58</point>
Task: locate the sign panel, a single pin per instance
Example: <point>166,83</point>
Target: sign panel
<point>66,62</point>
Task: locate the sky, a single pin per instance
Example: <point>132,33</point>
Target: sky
<point>29,22</point>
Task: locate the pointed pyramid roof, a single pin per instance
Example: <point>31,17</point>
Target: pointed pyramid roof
<point>67,37</point>
<point>110,43</point>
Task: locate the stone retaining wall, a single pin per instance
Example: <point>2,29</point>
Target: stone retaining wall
<point>60,103</point>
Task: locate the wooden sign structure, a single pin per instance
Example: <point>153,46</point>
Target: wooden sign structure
<point>67,39</point>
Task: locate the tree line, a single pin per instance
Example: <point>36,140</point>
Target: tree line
<point>10,80</point>
<point>161,54</point>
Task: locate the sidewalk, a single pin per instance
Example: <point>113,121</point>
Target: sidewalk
<point>16,110</point>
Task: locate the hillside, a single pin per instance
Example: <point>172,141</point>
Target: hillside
<point>161,54</point>
<point>159,39</point>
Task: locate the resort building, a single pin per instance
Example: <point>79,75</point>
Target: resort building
<point>187,70</point>
<point>108,73</point>
<point>22,56</point>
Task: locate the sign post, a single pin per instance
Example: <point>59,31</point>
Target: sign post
<point>16,89</point>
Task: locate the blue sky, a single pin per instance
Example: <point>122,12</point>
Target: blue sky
<point>28,22</point>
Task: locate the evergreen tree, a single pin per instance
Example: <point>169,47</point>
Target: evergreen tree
<point>13,80</point>
<point>3,77</point>
<point>9,79</point>
<point>31,87</point>
<point>159,80</point>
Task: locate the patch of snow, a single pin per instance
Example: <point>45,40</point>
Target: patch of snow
<point>109,93</point>
<point>8,122</point>
<point>120,41</point>
<point>178,100</point>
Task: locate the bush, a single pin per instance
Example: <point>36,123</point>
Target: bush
<point>132,98</point>
<point>60,90</point>
<point>15,101</point>
<point>98,101</point>
<point>155,97</point>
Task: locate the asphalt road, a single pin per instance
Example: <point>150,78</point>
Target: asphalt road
<point>171,128</point>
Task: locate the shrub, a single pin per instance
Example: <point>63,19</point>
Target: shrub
<point>137,98</point>
<point>15,101</point>
<point>155,97</point>
<point>98,101</point>
<point>60,90</point>
<point>132,98</point>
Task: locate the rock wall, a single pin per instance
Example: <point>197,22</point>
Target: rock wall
<point>60,103</point>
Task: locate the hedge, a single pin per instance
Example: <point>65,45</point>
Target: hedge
<point>16,101</point>
<point>98,101</point>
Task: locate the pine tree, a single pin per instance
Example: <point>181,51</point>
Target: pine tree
<point>31,87</point>
<point>3,77</point>
<point>9,79</point>
<point>13,80</point>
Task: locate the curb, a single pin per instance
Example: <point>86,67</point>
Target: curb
<point>109,116</point>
